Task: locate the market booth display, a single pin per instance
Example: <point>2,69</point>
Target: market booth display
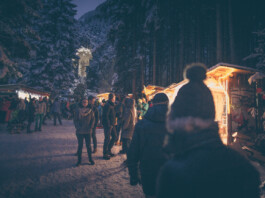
<point>21,91</point>
<point>236,101</point>
<point>103,96</point>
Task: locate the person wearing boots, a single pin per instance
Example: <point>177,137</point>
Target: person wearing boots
<point>56,109</point>
<point>84,122</point>
<point>146,149</point>
<point>40,112</point>
<point>202,166</point>
<point>108,121</point>
<point>91,105</point>
<point>129,119</point>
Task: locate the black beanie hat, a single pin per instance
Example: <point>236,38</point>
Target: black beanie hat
<point>160,98</point>
<point>194,103</point>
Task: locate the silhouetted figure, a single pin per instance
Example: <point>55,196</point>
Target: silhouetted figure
<point>56,110</point>
<point>39,114</point>
<point>30,112</point>
<point>91,105</point>
<point>146,147</point>
<point>109,121</point>
<point>202,166</point>
<point>129,119</point>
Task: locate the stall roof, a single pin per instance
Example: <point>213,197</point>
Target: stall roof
<point>225,69</point>
<point>103,95</point>
<point>13,87</point>
<point>152,89</point>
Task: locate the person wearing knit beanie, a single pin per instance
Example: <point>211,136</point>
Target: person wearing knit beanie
<point>160,98</point>
<point>201,166</point>
<point>194,106</point>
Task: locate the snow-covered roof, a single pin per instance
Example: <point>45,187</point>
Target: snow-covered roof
<point>15,87</point>
<point>233,66</point>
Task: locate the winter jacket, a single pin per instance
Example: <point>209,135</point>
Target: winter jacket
<point>41,108</point>
<point>22,105</point>
<point>204,167</point>
<point>128,119</point>
<point>119,108</point>
<point>145,107</point>
<point>108,114</point>
<point>96,114</point>
<point>146,148</point>
<point>56,107</point>
<point>30,111</point>
<point>84,120</point>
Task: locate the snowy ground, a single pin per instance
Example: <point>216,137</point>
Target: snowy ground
<point>41,164</point>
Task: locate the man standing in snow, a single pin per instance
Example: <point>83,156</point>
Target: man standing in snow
<point>202,166</point>
<point>84,122</point>
<point>109,121</point>
<point>91,105</point>
<point>40,112</point>
<point>30,112</point>
<point>56,109</point>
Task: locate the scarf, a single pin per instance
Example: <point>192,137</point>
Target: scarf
<point>83,112</point>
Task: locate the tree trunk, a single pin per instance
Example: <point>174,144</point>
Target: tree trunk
<point>181,47</point>
<point>134,83</point>
<point>142,73</point>
<point>218,33</point>
<point>154,61</point>
<point>231,33</point>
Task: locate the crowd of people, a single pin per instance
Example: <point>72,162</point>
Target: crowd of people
<point>172,151</point>
<point>20,114</point>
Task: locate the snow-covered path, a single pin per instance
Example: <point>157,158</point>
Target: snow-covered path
<point>41,164</point>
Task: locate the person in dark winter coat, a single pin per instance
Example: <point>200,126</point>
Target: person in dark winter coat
<point>39,114</point>
<point>56,110</point>
<point>48,109</point>
<point>109,121</point>
<point>128,122</point>
<point>84,122</point>
<point>202,166</point>
<point>91,105</point>
<point>146,146</point>
<point>30,112</point>
<point>119,108</point>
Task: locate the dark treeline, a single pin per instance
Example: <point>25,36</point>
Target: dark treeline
<point>37,43</point>
<point>156,39</point>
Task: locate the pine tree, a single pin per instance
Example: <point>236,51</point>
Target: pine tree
<point>16,35</point>
<point>52,68</point>
<point>258,56</point>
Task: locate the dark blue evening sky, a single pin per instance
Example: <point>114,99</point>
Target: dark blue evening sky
<point>84,6</point>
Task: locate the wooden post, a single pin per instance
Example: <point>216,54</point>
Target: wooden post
<point>154,61</point>
<point>134,84</point>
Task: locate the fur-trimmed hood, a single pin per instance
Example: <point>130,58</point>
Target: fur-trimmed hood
<point>189,124</point>
<point>188,133</point>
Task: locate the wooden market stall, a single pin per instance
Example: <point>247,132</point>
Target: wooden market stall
<point>103,96</point>
<point>22,91</point>
<point>235,99</point>
<point>151,90</point>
